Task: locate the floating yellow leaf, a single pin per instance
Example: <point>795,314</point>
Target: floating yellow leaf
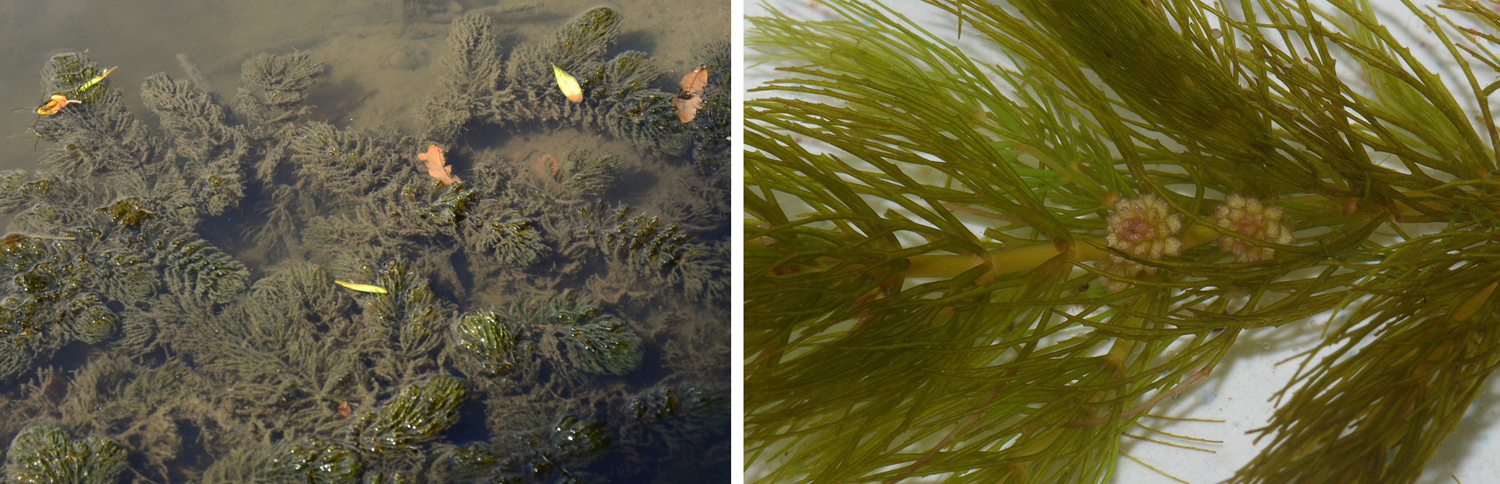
<point>361,287</point>
<point>568,84</point>
<point>96,79</point>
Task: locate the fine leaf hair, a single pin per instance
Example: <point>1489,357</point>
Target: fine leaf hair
<point>992,271</point>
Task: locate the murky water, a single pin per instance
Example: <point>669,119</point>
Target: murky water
<point>247,279</point>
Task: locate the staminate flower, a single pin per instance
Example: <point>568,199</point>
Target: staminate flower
<point>1144,227</point>
<point>1252,220</point>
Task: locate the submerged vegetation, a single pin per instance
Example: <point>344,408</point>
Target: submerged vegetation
<point>995,270</point>
<point>170,310</point>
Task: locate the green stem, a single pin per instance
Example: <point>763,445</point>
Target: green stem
<point>1023,259</point>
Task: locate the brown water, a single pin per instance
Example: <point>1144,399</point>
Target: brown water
<point>167,402</point>
<point>380,68</point>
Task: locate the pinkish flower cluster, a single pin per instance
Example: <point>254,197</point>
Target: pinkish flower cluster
<point>1252,220</point>
<point>1143,227</point>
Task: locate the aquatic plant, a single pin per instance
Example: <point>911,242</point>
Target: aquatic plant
<point>282,81</point>
<point>481,86</point>
<point>316,462</point>
<point>43,453</point>
<point>419,413</point>
<point>143,301</point>
<point>571,334</point>
<point>969,196</point>
<point>710,128</point>
<point>652,249</point>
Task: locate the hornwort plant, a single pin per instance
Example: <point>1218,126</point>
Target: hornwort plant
<point>991,272</point>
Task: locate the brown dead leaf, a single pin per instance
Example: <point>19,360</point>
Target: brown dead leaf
<point>437,165</point>
<point>689,98</point>
<point>695,80</point>
<point>687,107</point>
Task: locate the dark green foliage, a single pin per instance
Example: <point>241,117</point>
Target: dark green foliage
<point>686,421</point>
<point>616,79</point>
<point>643,241</point>
<point>417,414</point>
<point>433,203</point>
<point>409,312</point>
<point>192,266</point>
<point>44,454</point>
<point>577,337</point>
<point>70,74</point>
<point>128,212</point>
<point>346,162</point>
<point>492,343</point>
<point>196,123</point>
<point>655,250</point>
<point>710,128</point>
<point>648,119</point>
<point>473,71</point>
<point>94,138</point>
<point>677,416</point>
<point>47,286</point>
<point>586,174</point>
<point>617,93</point>
<point>313,461</point>
<point>514,242</point>
<point>567,332</point>
<point>588,36</point>
<point>469,462</point>
<point>282,81</point>
<point>580,440</point>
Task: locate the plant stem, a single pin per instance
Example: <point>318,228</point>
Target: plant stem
<point>1023,259</point>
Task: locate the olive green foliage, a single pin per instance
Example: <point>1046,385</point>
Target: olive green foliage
<point>655,250</point>
<point>214,150</point>
<point>1044,336</point>
<point>490,342</point>
<point>281,82</point>
<point>586,174</point>
<point>143,303</point>
<point>570,333</point>
<point>690,419</point>
<point>710,127</point>
<point>49,299</point>
<point>317,462</point>
<point>512,240</point>
<point>73,75</point>
<point>344,161</point>
<point>44,454</point>
<point>417,414</point>
<point>482,86</point>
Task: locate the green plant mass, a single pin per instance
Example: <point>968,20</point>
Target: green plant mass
<point>994,263</point>
<point>244,294</point>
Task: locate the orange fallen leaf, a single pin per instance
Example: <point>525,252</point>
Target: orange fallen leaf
<point>687,107</point>
<point>695,80</point>
<point>437,165</point>
<point>689,98</point>
<point>345,410</point>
